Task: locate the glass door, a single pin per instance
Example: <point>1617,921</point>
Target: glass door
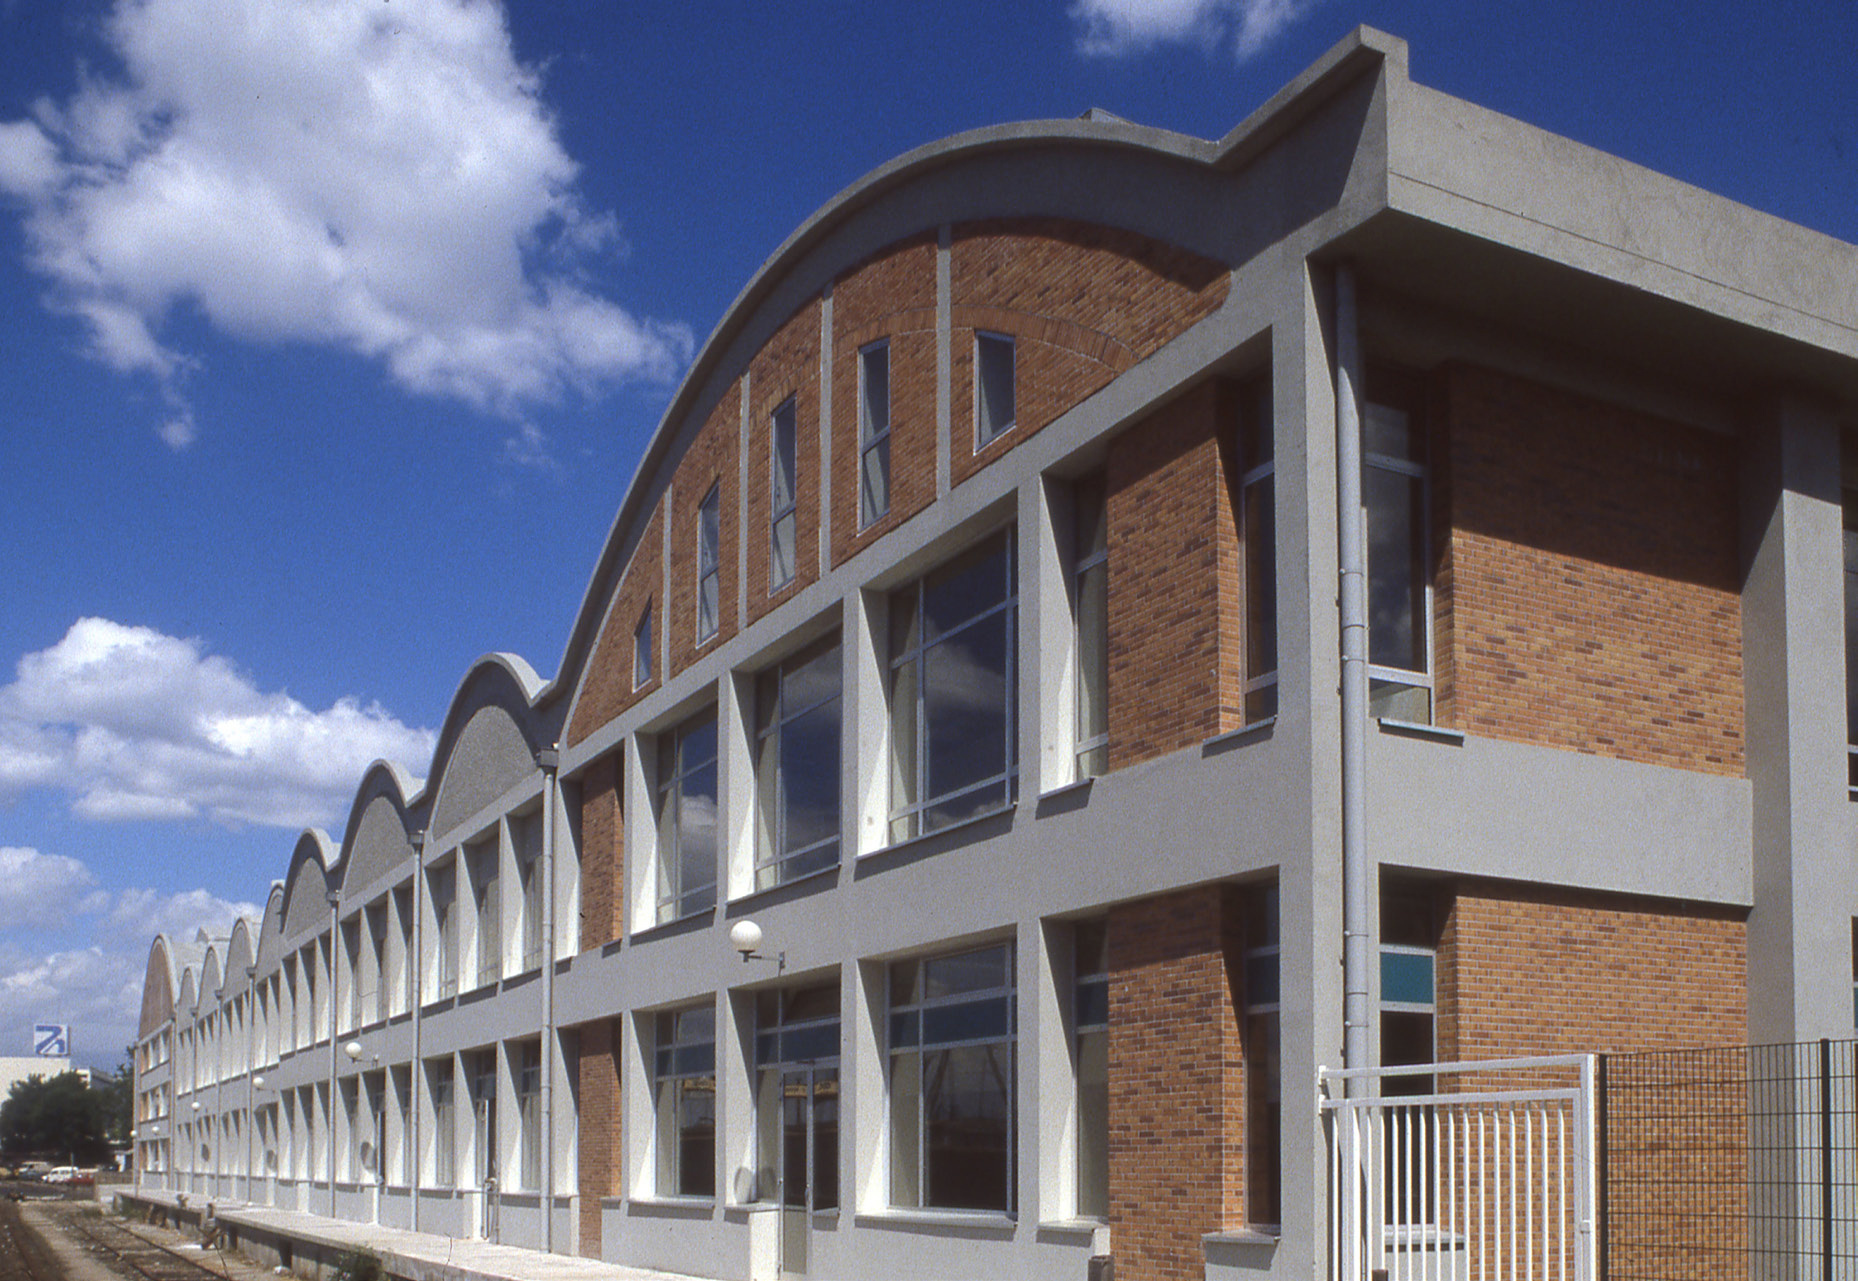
<point>809,1169</point>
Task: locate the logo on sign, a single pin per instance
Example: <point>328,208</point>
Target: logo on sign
<point>51,1040</point>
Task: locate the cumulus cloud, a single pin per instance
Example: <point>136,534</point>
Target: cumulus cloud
<point>1114,28</point>
<point>40,889</point>
<point>380,178</point>
<point>139,725</point>
<point>97,989</point>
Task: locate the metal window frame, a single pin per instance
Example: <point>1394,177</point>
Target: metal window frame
<point>787,412</point>
<point>981,338</point>
<point>869,438</point>
<point>910,815</point>
<point>777,857</point>
<point>672,893</point>
<point>709,558</point>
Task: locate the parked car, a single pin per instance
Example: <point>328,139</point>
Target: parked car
<point>63,1174</point>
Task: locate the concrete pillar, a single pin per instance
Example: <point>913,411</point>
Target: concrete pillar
<point>1799,933</point>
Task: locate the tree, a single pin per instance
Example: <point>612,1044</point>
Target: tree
<point>57,1118</point>
<point>117,1091</point>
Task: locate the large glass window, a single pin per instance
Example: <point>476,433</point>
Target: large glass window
<point>953,688</point>
<point>782,461</point>
<point>444,882</point>
<point>687,818</point>
<point>528,1067</point>
<point>1090,592</point>
<point>377,995</point>
<point>797,1096</point>
<point>873,433</point>
<point>444,1122</point>
<point>1393,485</point>
<point>483,1069</point>
<point>526,837</point>
<point>993,386</point>
<point>797,765</point>
<point>486,898</point>
<point>709,557</point>
<point>1851,637</point>
<point>1258,529</point>
<point>1409,944</point>
<point>684,1085</point>
<point>951,1035</point>
<point>409,970</point>
<point>1263,1078</point>
<point>642,650</point>
<point>1090,1013</point>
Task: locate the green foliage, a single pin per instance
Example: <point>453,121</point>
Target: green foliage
<point>117,1091</point>
<point>57,1119</point>
<point>359,1265</point>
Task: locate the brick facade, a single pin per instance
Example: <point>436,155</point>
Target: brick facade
<point>603,853</point>
<point>710,462</point>
<point>1589,587</point>
<point>1176,624</point>
<point>601,1154</point>
<point>1177,1079</point>
<point>1082,303</point>
<point>1522,969</point>
<point>788,366</point>
<point>606,688</point>
<point>892,295</point>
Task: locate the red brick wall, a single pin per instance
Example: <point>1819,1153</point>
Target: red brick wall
<point>787,366</point>
<point>1176,669</point>
<point>891,295</point>
<point>1526,969</point>
<point>606,688</point>
<point>603,853</point>
<point>711,460</point>
<point>1591,593</point>
<point>600,1152</point>
<point>1177,1080</point>
<point>1083,304</point>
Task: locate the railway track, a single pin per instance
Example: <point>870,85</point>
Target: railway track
<point>114,1246</point>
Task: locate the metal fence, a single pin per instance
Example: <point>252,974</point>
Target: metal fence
<point>1737,1163</point>
<point>1462,1171</point>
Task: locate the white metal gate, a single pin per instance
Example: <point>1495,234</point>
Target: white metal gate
<point>1462,1171</point>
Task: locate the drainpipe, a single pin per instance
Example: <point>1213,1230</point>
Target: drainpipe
<point>415,979</point>
<point>1352,556</point>
<point>251,1066</point>
<point>549,758</point>
<point>335,931</point>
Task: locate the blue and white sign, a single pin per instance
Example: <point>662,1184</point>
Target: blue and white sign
<point>51,1040</point>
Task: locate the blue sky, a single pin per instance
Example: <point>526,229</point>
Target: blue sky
<point>332,332</point>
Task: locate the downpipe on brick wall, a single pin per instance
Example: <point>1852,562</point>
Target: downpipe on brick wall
<point>1352,603</point>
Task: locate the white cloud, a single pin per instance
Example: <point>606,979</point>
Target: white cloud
<point>528,449</point>
<point>41,889</point>
<point>381,178</point>
<point>1114,28</point>
<point>141,725</point>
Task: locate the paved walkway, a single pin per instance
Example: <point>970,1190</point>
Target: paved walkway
<point>419,1256</point>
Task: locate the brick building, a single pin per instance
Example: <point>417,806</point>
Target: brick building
<point>971,629</point>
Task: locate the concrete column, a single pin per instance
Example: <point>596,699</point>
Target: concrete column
<point>1799,934</point>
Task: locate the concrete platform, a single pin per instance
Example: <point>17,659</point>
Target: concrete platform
<point>313,1245</point>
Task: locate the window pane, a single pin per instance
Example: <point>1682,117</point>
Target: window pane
<point>1396,569</point>
<point>1389,431</point>
<point>875,409</point>
<point>993,357</point>
<point>970,584</point>
<point>1406,977</point>
<point>1851,622</point>
<point>1260,579</point>
<point>781,461</point>
<point>967,1111</point>
<point>906,1087</point>
<point>965,702</point>
<point>981,970</point>
<point>874,482</point>
<point>1093,1124</point>
<point>1093,657</point>
<point>781,551</point>
<point>967,1021</point>
<point>810,775</point>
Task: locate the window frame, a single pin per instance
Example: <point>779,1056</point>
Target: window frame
<point>783,507</point>
<point>682,1061</point>
<point>906,814</point>
<point>1090,1030</point>
<point>992,340</point>
<point>1257,520</point>
<point>675,901</point>
<point>775,862</point>
<point>642,649</point>
<point>915,1013</point>
<point>1090,750</point>
<point>1385,680</point>
<point>709,564</point>
<point>873,438</point>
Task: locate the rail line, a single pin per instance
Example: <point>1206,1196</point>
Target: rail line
<point>120,1249</point>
